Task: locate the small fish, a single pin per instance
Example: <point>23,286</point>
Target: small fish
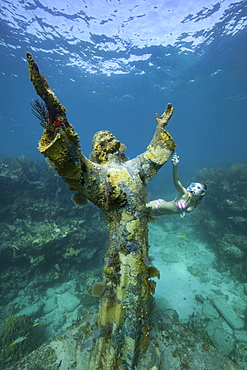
<point>37,323</point>
<point>68,316</point>
<point>92,309</point>
<point>86,344</point>
<point>96,333</point>
<point>15,247</point>
<point>18,340</point>
<point>181,236</point>
<point>8,359</point>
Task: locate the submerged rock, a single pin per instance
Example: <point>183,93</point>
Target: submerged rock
<point>228,313</point>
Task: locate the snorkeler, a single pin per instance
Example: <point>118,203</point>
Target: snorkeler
<point>186,200</point>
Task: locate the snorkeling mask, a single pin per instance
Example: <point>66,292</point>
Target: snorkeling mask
<point>195,187</point>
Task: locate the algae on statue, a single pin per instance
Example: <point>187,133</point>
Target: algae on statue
<point>117,186</point>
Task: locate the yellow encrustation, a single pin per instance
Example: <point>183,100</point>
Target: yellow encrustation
<point>117,186</point>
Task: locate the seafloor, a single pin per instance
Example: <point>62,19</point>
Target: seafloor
<point>52,252</point>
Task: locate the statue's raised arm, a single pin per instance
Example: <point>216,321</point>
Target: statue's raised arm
<point>117,186</point>
<point>159,150</point>
<point>59,143</point>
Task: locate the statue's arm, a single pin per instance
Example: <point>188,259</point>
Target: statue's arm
<point>159,150</point>
<point>59,143</point>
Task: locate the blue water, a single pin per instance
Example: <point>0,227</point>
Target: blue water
<point>114,64</point>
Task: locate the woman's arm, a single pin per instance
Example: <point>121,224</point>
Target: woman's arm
<point>179,187</point>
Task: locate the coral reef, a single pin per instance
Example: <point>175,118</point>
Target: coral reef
<point>44,235</point>
<point>224,215</point>
<point>18,337</point>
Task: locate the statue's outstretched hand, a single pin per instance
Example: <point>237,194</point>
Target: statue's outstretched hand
<point>164,118</point>
<point>175,160</point>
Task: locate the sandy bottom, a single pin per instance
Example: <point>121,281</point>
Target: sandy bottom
<point>186,266</point>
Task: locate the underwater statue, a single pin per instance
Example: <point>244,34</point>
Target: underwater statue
<point>117,186</point>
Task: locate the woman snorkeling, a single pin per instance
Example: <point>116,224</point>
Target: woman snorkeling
<point>186,200</point>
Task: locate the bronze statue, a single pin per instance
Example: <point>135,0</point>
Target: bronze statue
<point>117,186</point>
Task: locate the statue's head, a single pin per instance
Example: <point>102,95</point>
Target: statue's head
<point>106,147</point>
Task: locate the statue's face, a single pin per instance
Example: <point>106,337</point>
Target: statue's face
<point>107,148</point>
<point>105,145</point>
<point>105,141</point>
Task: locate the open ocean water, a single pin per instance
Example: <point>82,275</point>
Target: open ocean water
<point>114,64</point>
